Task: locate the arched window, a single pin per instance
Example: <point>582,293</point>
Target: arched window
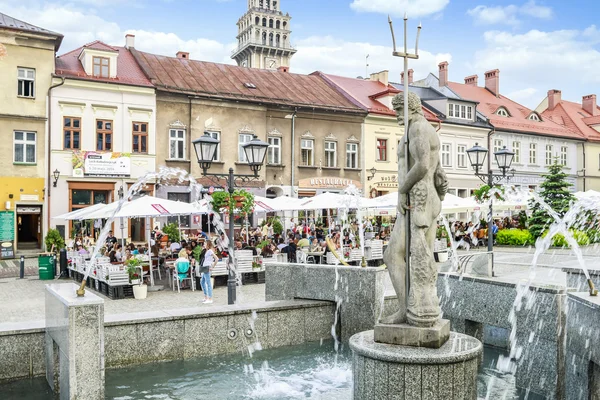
<point>502,112</point>
<point>284,24</point>
<point>264,38</point>
<point>270,23</point>
<point>277,41</point>
<point>264,22</point>
<point>270,39</point>
<point>534,117</point>
<point>269,4</point>
<point>257,21</point>
<point>278,24</point>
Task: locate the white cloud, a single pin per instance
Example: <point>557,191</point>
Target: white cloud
<point>414,8</point>
<point>526,95</point>
<point>339,57</point>
<point>508,15</point>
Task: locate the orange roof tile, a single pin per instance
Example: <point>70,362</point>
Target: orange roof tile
<point>573,116</point>
<point>518,120</point>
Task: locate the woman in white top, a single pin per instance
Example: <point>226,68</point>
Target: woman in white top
<point>209,259</point>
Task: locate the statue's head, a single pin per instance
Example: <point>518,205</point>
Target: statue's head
<point>414,105</point>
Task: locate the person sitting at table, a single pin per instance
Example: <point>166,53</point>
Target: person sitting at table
<point>314,245</point>
<point>377,236</point>
<point>304,242</point>
<point>251,246</point>
<point>175,247</point>
<point>201,234</point>
<point>268,250</point>
<point>347,241</point>
<point>280,244</point>
<point>336,241</point>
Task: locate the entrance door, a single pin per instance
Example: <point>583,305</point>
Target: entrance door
<point>29,231</point>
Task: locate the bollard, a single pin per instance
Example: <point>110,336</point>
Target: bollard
<point>22,267</point>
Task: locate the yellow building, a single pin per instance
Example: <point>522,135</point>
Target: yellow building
<point>26,67</point>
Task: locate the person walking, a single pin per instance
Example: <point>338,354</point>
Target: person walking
<point>209,261</point>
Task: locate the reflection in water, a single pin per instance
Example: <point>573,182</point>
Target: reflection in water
<point>311,371</point>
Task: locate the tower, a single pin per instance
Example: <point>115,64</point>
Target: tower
<point>264,36</point>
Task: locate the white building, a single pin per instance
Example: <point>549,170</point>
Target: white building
<point>102,131</point>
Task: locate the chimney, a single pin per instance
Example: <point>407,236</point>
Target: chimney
<point>443,75</point>
<point>471,80</point>
<point>129,41</point>
<point>410,76</point>
<point>183,54</point>
<point>283,69</point>
<point>554,98</point>
<point>381,76</point>
<point>589,104</point>
<point>492,81</point>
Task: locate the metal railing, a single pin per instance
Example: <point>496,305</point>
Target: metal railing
<point>266,44</point>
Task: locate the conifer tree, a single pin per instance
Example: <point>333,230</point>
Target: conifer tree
<point>555,193</point>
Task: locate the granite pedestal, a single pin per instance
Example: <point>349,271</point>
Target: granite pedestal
<point>74,343</point>
<point>385,371</point>
<point>409,335</point>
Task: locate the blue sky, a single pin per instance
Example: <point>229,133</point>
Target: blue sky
<point>536,44</point>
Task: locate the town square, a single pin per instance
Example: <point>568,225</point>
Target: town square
<point>262,199</point>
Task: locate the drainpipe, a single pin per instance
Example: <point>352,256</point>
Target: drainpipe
<point>189,135</point>
<point>293,174</point>
<point>363,166</point>
<point>49,147</point>
<point>489,146</point>
<point>584,165</point>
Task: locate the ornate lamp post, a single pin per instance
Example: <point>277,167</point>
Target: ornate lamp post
<point>255,151</point>
<point>504,159</point>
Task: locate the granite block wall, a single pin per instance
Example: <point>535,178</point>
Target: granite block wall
<point>577,281</point>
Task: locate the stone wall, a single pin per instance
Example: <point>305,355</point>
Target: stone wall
<point>133,339</point>
<point>577,281</point>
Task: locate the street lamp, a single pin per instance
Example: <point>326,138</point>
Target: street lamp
<point>373,171</point>
<point>255,151</point>
<point>504,159</point>
<point>56,175</point>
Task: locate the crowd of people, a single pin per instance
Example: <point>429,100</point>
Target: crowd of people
<point>470,234</point>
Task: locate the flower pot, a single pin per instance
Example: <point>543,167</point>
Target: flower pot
<point>441,256</point>
<point>135,281</point>
<point>140,291</point>
<point>239,199</point>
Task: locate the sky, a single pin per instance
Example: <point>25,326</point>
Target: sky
<point>536,44</point>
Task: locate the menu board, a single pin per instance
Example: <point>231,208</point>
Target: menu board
<point>7,234</point>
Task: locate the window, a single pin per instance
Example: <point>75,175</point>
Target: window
<point>351,155</point>
<point>26,82</point>
<point>463,112</point>
<point>498,143</point>
<point>101,67</point>
<point>548,154</point>
<point>532,153</point>
<point>177,144</point>
<point>307,148</point>
<point>381,149</point>
<point>140,137</point>
<point>516,148</point>
<point>217,136</point>
<point>243,139</point>
<point>534,117</point>
<point>24,147</point>
<point>461,156</point>
<point>330,154</point>
<point>184,198</point>
<point>71,133</point>
<point>469,112</point>
<point>502,112</point>
<point>103,135</point>
<point>460,111</point>
<point>563,156</point>
<point>274,150</point>
<point>446,155</point>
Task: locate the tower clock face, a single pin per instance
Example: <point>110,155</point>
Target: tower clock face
<point>271,63</point>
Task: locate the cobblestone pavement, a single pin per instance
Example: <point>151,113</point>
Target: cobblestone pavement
<point>10,268</point>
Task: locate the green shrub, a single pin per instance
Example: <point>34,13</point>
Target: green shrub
<point>594,235</point>
<point>514,237</point>
<point>54,238</point>
<point>580,237</point>
<point>172,231</point>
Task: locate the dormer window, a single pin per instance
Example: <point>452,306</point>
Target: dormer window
<point>101,67</point>
<point>534,117</point>
<point>460,111</point>
<point>502,112</point>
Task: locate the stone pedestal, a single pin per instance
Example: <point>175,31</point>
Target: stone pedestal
<point>74,343</point>
<point>409,335</point>
<point>386,371</point>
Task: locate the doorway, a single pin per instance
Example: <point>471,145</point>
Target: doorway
<point>29,229</point>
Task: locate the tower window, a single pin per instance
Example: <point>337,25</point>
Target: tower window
<point>257,21</point>
<point>264,22</point>
<point>270,23</point>
<point>278,24</point>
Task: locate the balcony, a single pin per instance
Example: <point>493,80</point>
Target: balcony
<point>288,47</point>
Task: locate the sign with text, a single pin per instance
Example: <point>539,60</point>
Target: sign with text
<point>7,234</point>
<point>161,210</point>
<point>91,163</point>
<point>328,183</point>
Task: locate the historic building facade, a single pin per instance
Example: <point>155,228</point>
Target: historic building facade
<point>264,37</point>
<point>26,66</point>
<point>102,133</point>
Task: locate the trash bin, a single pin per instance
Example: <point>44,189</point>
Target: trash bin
<point>46,266</point>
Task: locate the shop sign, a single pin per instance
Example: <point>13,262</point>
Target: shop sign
<point>29,210</point>
<point>7,234</point>
<point>387,182</point>
<point>328,183</point>
<point>91,163</point>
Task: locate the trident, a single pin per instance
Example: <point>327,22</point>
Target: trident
<point>406,55</point>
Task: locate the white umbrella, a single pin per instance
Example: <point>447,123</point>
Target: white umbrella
<point>81,213</point>
<point>146,206</point>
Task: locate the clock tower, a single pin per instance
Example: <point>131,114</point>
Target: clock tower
<point>264,36</point>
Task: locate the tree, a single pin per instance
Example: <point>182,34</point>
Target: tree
<point>555,194</point>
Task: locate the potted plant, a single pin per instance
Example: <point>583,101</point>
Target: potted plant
<point>172,231</point>
<point>140,290</point>
<point>54,241</point>
<point>440,251</point>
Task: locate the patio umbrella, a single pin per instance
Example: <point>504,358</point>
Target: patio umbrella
<point>146,206</point>
<point>82,213</point>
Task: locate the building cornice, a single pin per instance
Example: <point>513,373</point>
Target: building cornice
<point>16,116</point>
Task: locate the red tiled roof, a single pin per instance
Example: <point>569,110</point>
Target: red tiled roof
<point>364,93</point>
<point>518,120</point>
<point>575,118</point>
<point>226,81</point>
<point>128,71</point>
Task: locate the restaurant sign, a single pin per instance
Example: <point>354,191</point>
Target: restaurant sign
<point>328,183</point>
<point>91,163</point>
<point>387,182</point>
<point>7,234</point>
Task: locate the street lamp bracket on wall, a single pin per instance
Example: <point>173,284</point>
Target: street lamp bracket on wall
<point>56,175</point>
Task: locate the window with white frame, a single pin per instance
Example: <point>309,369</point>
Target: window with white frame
<point>177,144</point>
<point>307,147</point>
<point>446,154</point>
<point>563,155</point>
<point>516,148</point>
<point>498,143</point>
<point>274,150</point>
<point>534,117</point>
<point>243,138</point>
<point>24,145</point>
<point>461,156</point>
<point>548,154</point>
<point>460,111</point>
<point>26,82</point>
<point>503,112</point>
<point>351,155</point>
<point>532,153</point>
<point>216,135</point>
<point>330,154</point>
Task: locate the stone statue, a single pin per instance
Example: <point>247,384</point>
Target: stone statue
<point>426,183</point>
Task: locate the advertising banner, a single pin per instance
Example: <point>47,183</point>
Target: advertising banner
<point>95,164</point>
<point>7,234</point>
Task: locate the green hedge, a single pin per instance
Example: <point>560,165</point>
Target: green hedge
<point>514,237</point>
<point>559,240</point>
